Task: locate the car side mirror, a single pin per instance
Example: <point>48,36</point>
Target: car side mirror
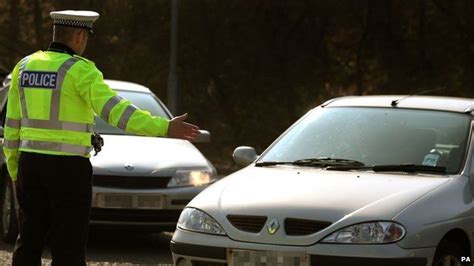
<point>244,155</point>
<point>6,80</point>
<point>205,137</point>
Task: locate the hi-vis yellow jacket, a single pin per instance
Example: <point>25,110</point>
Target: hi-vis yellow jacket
<point>52,101</point>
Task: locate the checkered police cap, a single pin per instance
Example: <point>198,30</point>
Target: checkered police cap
<point>75,18</point>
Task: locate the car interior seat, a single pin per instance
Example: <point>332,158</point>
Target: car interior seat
<point>414,144</point>
<point>454,160</point>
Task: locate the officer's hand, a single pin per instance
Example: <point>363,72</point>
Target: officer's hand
<point>181,130</point>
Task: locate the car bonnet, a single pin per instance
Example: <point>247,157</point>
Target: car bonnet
<point>336,198</point>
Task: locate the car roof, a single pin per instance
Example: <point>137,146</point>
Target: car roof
<point>126,86</point>
<point>452,104</point>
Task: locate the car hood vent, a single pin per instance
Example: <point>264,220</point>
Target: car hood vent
<point>300,227</point>
<point>252,224</point>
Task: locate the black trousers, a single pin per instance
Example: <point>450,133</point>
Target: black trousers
<point>54,195</point>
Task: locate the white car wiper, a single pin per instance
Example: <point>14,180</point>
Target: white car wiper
<point>409,168</point>
<point>315,162</point>
<point>270,163</point>
<point>328,161</point>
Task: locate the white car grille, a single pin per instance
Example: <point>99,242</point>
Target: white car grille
<point>293,226</point>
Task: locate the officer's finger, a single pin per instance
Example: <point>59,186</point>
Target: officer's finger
<point>189,137</point>
<point>191,132</point>
<point>194,133</point>
<point>190,126</point>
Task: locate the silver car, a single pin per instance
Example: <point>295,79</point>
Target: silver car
<point>372,180</point>
<point>139,182</point>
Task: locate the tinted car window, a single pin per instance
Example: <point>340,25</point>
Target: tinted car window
<point>144,101</point>
<point>377,136</point>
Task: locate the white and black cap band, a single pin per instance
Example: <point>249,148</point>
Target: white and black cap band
<point>75,18</point>
<point>74,23</point>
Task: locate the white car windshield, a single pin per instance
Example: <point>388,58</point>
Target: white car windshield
<point>376,136</point>
<point>144,101</point>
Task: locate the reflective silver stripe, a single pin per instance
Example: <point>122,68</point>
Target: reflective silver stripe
<point>48,124</point>
<point>122,124</point>
<point>11,144</point>
<point>56,95</point>
<point>113,101</point>
<point>12,123</point>
<point>21,91</point>
<point>55,146</point>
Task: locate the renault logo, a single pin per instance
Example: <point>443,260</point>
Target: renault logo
<point>273,226</point>
<point>128,166</point>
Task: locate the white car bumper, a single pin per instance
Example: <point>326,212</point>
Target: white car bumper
<point>202,249</point>
<point>140,207</point>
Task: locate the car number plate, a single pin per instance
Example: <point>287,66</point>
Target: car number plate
<point>128,201</point>
<point>268,258</point>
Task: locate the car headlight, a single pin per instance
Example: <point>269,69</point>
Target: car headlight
<point>195,220</point>
<point>192,178</point>
<point>368,233</point>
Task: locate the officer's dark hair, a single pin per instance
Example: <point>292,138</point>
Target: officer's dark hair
<point>63,33</point>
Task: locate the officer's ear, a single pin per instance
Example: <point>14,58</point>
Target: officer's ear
<point>83,35</point>
<point>78,37</point>
<point>75,37</point>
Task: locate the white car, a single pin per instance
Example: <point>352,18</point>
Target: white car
<point>371,180</point>
<point>139,182</point>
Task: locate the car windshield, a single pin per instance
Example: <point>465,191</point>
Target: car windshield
<point>375,136</point>
<point>144,101</point>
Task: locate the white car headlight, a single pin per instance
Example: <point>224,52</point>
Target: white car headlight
<point>192,178</point>
<point>195,220</point>
<point>368,233</point>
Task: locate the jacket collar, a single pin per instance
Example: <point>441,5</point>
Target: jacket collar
<point>61,48</point>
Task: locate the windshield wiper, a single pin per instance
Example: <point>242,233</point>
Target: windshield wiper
<point>410,168</point>
<point>327,161</point>
<point>349,167</point>
<point>347,164</point>
<point>269,163</point>
<point>317,162</point>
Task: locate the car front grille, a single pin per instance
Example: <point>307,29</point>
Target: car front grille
<point>138,182</point>
<point>300,227</point>
<point>252,224</point>
<point>147,216</point>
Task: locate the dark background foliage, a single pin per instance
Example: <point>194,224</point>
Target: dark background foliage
<point>249,69</point>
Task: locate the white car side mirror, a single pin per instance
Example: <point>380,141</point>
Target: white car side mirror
<point>244,155</point>
<point>205,137</point>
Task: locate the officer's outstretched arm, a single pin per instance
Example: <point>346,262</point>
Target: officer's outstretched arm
<point>121,113</point>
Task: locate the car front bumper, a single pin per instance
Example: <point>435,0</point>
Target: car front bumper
<point>141,208</point>
<point>202,249</point>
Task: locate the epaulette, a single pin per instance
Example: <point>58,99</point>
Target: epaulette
<point>28,56</point>
<point>84,59</point>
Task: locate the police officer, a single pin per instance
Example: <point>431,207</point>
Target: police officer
<point>53,98</point>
